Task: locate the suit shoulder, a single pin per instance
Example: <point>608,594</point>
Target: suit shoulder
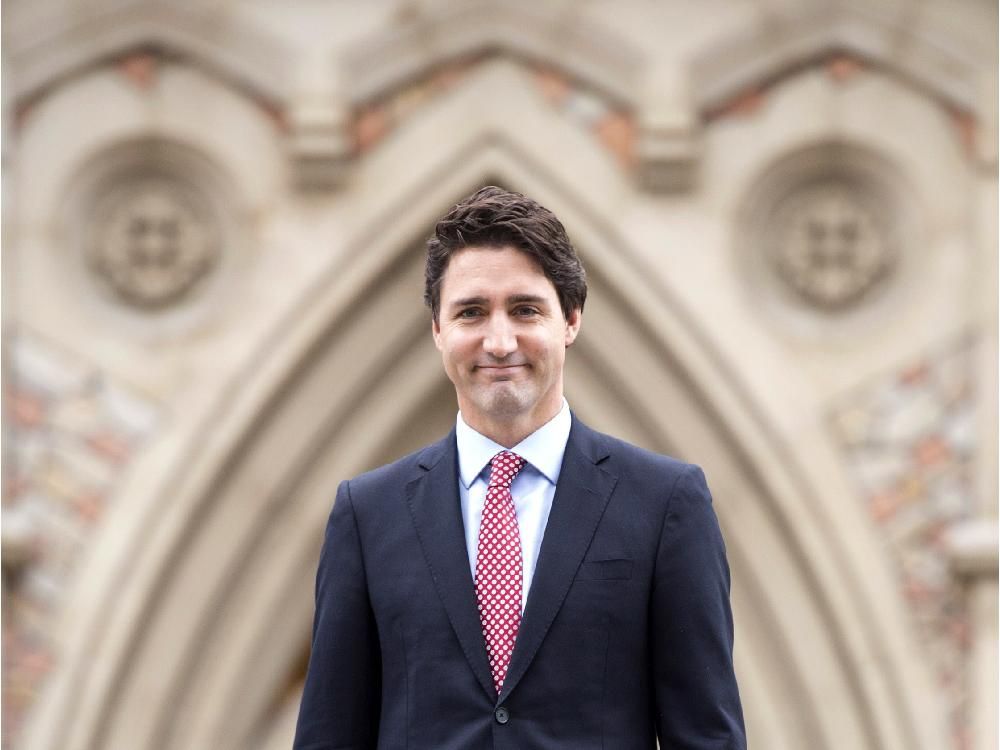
<point>634,458</point>
<point>665,481</point>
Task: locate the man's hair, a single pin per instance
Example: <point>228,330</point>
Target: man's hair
<point>496,218</point>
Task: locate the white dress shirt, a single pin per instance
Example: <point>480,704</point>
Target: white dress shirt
<point>533,489</point>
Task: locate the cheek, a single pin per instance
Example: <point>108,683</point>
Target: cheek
<point>456,349</point>
<point>552,346</point>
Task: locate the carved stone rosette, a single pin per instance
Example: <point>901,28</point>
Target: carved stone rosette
<point>830,243</point>
<point>825,232</point>
<point>152,241</point>
<point>150,224</point>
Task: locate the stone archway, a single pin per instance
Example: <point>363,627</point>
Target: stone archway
<point>196,643</point>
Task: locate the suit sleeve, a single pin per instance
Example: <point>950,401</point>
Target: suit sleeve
<point>342,695</point>
<point>697,700</point>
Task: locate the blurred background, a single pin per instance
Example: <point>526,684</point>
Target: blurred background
<point>214,215</point>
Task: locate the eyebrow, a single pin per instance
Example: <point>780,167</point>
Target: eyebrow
<point>514,299</point>
<point>529,298</point>
<point>465,302</point>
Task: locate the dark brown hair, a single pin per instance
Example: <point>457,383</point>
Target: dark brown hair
<point>494,217</point>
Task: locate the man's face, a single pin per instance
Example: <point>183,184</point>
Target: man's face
<point>503,338</point>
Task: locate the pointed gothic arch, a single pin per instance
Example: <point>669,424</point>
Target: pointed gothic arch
<point>203,630</point>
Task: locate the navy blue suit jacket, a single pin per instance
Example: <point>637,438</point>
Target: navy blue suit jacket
<point>626,637</point>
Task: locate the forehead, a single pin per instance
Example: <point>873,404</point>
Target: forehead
<point>481,268</point>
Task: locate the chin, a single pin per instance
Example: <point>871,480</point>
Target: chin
<point>506,402</point>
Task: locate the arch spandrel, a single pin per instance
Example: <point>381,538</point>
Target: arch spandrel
<point>257,499</point>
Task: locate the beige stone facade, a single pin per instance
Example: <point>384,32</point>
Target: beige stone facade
<point>212,238</point>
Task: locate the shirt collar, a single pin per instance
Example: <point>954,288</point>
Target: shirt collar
<point>543,449</point>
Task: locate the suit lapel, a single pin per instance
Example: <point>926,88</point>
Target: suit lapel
<point>581,496</point>
<point>437,516</point>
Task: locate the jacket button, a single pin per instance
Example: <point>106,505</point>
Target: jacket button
<point>502,715</point>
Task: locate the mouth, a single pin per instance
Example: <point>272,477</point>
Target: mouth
<point>501,370</point>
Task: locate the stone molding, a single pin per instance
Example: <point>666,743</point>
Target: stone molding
<point>320,145</point>
<point>760,53</point>
<point>548,32</point>
<point>669,132</point>
<point>962,78</point>
<point>666,149</point>
<point>973,548</point>
<point>61,45</point>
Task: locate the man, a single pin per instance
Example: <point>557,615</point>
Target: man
<point>526,582</point>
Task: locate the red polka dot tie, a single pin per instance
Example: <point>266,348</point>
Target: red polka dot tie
<point>498,566</point>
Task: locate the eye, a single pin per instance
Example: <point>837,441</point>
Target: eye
<point>526,311</point>
<point>469,312</point>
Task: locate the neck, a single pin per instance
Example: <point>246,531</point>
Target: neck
<point>508,431</point>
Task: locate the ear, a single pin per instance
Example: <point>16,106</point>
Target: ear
<point>573,323</point>
<point>436,333</point>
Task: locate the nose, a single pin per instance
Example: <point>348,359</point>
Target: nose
<point>500,339</point>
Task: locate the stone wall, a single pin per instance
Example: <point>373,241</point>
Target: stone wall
<point>213,220</point>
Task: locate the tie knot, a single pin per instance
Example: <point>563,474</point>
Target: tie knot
<point>505,466</point>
